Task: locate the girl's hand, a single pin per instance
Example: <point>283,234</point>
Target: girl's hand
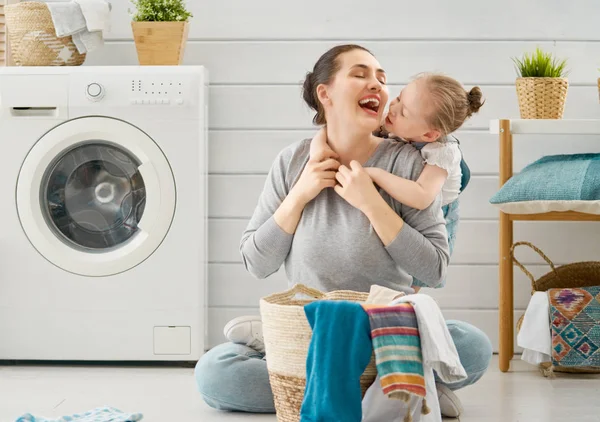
<point>356,187</point>
<point>319,146</point>
<point>318,174</point>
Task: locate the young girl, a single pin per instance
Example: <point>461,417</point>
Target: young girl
<point>425,113</point>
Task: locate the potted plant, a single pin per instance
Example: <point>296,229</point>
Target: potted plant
<point>160,30</point>
<point>541,86</point>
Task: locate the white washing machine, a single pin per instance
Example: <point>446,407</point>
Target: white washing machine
<point>104,195</point>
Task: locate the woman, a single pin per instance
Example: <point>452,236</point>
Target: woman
<point>334,230</point>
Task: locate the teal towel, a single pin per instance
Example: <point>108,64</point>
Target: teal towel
<point>100,414</point>
<point>574,177</point>
<point>340,350</point>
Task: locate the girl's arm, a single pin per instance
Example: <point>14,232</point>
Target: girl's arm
<point>417,194</point>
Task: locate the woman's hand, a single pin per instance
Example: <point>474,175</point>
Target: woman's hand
<point>318,174</point>
<point>356,187</point>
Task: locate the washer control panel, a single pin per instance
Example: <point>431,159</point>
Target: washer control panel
<point>147,91</point>
<point>157,91</point>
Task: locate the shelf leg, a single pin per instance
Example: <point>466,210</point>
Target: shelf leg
<point>505,276</point>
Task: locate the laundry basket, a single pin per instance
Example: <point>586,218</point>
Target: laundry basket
<point>287,335</point>
<point>33,39</point>
<point>578,274</point>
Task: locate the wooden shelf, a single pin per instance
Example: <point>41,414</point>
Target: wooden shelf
<point>555,216</point>
<point>505,129</point>
<point>549,127</point>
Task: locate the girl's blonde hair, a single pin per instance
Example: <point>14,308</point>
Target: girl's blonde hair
<point>452,104</point>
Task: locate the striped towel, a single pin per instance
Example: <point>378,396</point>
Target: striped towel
<point>397,346</point>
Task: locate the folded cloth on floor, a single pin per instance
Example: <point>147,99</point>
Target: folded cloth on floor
<point>340,350</point>
<point>69,20</point>
<point>535,335</point>
<point>100,414</point>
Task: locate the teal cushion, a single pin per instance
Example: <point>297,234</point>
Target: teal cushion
<point>553,183</point>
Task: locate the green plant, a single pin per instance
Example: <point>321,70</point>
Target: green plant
<point>160,11</point>
<point>540,65</point>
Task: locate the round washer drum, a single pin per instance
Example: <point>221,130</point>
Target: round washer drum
<point>95,196</point>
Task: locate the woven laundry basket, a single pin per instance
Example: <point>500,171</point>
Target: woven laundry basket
<point>287,335</point>
<point>33,39</point>
<point>578,274</point>
<point>542,98</point>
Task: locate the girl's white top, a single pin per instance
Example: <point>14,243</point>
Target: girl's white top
<point>446,155</point>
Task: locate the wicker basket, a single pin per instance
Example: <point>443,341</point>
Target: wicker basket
<point>3,42</point>
<point>33,39</point>
<point>287,336</point>
<point>578,274</point>
<point>542,98</point>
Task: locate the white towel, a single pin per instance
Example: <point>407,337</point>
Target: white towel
<point>437,346</point>
<point>86,41</point>
<point>535,335</point>
<point>69,20</point>
<point>96,14</point>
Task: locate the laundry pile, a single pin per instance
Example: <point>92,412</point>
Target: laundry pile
<point>83,20</point>
<point>410,340</point>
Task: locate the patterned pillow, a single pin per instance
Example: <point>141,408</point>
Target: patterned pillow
<point>553,183</point>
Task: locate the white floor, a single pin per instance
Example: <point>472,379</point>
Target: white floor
<point>167,394</point>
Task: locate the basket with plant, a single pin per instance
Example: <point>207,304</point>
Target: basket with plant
<point>542,85</point>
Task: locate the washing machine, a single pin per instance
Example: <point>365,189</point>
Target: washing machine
<point>104,196</point>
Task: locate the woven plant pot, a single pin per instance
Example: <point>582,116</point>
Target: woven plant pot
<point>33,40</point>
<point>160,43</point>
<point>578,274</point>
<point>542,98</point>
<point>287,335</point>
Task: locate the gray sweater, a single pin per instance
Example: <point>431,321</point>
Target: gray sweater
<point>335,246</point>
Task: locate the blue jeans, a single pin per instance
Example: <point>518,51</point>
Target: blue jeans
<point>234,377</point>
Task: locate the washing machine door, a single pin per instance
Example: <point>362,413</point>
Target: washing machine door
<point>96,196</point>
